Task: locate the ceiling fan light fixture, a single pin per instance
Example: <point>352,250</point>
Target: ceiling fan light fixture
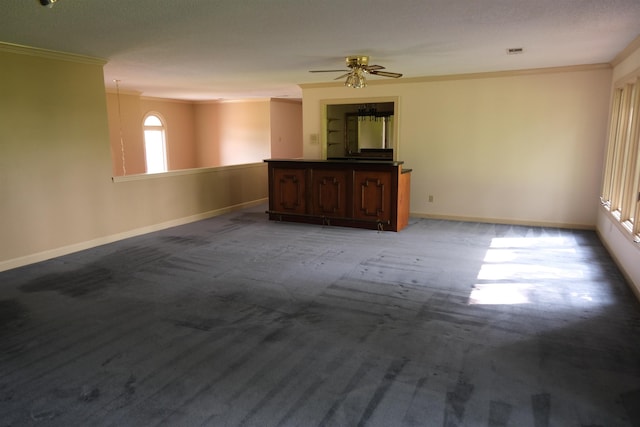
<point>349,81</point>
<point>356,79</point>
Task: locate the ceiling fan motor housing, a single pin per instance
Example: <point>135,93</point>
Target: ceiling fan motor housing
<point>357,61</point>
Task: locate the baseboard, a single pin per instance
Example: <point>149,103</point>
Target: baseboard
<point>76,247</point>
<point>625,274</point>
<point>505,221</point>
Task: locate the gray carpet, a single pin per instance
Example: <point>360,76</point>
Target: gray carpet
<point>240,321</point>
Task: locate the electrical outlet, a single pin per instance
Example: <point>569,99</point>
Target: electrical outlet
<point>430,198</point>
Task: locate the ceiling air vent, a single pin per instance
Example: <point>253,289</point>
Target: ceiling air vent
<point>515,50</point>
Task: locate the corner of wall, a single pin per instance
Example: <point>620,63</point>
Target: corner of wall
<point>622,249</point>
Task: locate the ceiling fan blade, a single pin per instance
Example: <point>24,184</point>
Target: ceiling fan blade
<point>328,71</point>
<point>386,74</point>
<point>357,66</point>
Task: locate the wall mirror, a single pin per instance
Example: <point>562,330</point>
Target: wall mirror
<point>363,130</point>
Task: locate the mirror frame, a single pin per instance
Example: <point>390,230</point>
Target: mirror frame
<point>374,100</point>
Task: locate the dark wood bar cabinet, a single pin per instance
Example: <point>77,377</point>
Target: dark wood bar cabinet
<point>353,193</point>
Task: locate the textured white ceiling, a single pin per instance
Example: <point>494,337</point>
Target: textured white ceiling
<point>205,49</point>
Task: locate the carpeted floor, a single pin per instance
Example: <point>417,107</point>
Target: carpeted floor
<point>240,321</point>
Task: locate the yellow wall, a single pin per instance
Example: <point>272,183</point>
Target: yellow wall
<point>56,190</point>
<point>510,147</point>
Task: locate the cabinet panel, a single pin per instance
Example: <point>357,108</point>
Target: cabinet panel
<point>329,192</point>
<point>289,190</point>
<point>404,191</point>
<point>372,195</point>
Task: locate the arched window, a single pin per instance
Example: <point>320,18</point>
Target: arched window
<point>154,144</point>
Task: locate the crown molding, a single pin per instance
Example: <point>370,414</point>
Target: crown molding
<point>50,54</point>
<point>627,51</point>
<point>129,92</point>
<point>160,99</point>
<point>287,100</point>
<point>470,76</point>
<point>231,101</point>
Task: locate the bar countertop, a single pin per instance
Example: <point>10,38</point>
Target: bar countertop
<point>345,160</point>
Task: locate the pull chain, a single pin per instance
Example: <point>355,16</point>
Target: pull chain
<point>124,168</point>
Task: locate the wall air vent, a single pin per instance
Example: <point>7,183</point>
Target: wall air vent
<point>515,50</point>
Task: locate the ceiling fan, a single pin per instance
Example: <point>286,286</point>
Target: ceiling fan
<point>358,67</point>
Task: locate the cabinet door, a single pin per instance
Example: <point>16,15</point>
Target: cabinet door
<point>289,190</point>
<point>329,192</point>
<point>372,195</point>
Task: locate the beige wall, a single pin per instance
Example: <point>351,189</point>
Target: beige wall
<point>180,130</point>
<point>541,162</point>
<point>286,129</point>
<point>126,113</point>
<point>245,132</point>
<point>510,147</point>
<point>618,241</point>
<point>204,134</point>
<point>207,125</point>
<point>233,132</point>
<point>55,166</point>
<point>125,133</point>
